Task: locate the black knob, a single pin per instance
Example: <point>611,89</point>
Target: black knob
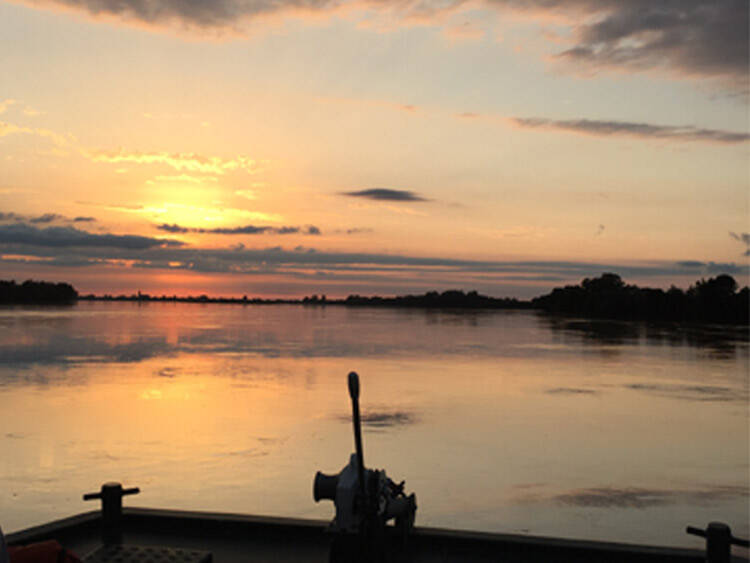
<point>353,385</point>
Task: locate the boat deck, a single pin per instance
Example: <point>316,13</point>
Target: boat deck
<point>240,538</point>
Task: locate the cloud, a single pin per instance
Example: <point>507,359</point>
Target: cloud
<point>5,104</point>
<point>56,138</point>
<point>10,216</point>
<point>247,194</point>
<point>147,252</point>
<point>706,38</point>
<point>183,179</point>
<point>244,230</point>
<point>46,218</point>
<point>743,238</point>
<point>60,237</point>
<point>357,230</point>
<point>385,194</point>
<point>639,130</point>
<point>694,38</point>
<point>189,162</point>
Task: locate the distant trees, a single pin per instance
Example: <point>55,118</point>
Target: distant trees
<point>451,299</point>
<point>33,292</point>
<point>712,300</point>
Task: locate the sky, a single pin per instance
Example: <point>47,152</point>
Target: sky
<point>295,147</point>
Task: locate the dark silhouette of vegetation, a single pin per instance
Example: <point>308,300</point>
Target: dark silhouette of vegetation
<point>452,299</point>
<point>716,300</point>
<point>713,300</point>
<point>33,292</point>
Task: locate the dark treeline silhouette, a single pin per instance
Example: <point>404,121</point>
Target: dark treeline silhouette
<point>452,299</point>
<point>714,300</point>
<point>33,292</point>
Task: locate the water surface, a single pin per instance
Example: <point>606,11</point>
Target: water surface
<point>500,421</point>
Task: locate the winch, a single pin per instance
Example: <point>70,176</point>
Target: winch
<point>366,500</point>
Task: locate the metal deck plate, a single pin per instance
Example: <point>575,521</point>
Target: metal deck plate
<point>146,554</point>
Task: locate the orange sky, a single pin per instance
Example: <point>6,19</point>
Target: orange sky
<point>253,148</point>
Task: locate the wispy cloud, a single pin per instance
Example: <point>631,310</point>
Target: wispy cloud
<point>148,252</point>
<point>696,38</point>
<point>690,37</point>
<point>744,238</point>
<point>182,179</point>
<point>31,112</point>
<point>190,162</point>
<point>5,104</point>
<point>58,139</point>
<point>243,230</point>
<point>640,130</point>
<point>386,194</point>
<point>45,218</point>
<point>61,237</point>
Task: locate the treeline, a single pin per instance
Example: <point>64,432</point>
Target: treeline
<point>713,300</point>
<point>37,292</point>
<point>452,299</point>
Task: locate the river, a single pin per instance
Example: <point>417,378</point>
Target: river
<point>500,421</point>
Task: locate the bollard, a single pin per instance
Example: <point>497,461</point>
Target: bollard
<point>719,540</point>
<point>111,496</point>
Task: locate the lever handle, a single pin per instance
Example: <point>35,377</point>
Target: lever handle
<point>353,385</point>
<point>354,394</point>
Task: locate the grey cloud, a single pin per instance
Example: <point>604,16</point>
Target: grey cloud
<point>713,267</point>
<point>60,237</point>
<point>43,219</point>
<point>46,218</point>
<point>640,130</point>
<point>173,228</point>
<point>692,37</point>
<point>386,194</point>
<point>700,38</point>
<point>743,238</point>
<point>159,253</point>
<point>244,230</point>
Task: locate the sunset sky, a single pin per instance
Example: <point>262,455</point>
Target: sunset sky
<point>291,147</point>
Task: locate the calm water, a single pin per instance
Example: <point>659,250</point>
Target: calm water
<point>499,421</point>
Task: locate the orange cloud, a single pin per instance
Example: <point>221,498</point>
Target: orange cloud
<point>189,162</point>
